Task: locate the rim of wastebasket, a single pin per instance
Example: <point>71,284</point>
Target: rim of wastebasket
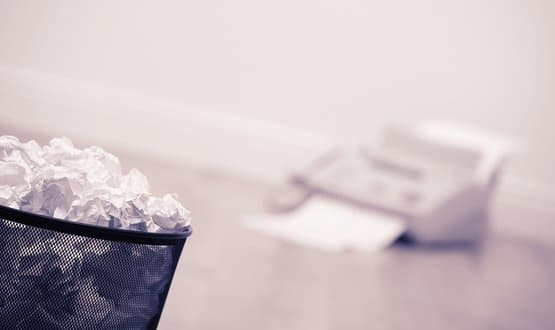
<point>86,230</point>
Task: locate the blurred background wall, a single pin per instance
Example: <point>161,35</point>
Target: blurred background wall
<point>334,69</point>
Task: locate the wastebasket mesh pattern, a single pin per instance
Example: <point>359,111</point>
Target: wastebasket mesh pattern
<point>56,280</point>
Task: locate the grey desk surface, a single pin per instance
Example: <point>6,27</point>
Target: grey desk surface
<point>233,278</point>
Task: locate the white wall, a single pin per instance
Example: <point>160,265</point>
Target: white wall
<point>337,68</point>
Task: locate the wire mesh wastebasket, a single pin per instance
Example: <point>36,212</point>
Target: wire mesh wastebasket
<point>58,274</point>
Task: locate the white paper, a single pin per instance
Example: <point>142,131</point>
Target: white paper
<point>331,225</point>
<point>494,149</point>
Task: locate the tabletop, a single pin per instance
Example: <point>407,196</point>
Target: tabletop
<point>232,278</point>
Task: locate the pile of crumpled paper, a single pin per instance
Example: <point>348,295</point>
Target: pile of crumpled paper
<point>87,186</point>
<point>62,281</point>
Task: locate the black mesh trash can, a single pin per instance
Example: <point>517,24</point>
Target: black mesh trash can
<point>58,274</point>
